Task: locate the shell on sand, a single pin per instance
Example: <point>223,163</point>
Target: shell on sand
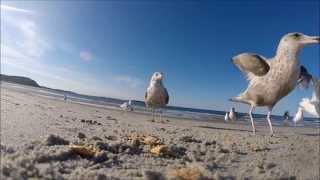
<point>160,150</point>
<point>84,150</point>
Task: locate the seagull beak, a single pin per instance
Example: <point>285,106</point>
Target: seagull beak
<point>311,40</point>
<point>161,75</point>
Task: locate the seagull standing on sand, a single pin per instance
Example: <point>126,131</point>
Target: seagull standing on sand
<point>271,80</point>
<point>156,95</point>
<point>312,106</point>
<point>299,116</point>
<point>233,114</point>
<point>226,117</point>
<point>127,106</point>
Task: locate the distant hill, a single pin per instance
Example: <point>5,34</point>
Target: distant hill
<point>19,80</point>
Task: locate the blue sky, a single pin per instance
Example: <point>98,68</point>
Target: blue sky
<point>110,48</point>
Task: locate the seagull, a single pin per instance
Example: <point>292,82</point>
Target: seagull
<point>299,116</point>
<point>286,117</point>
<point>312,106</point>
<point>271,80</point>
<point>232,114</point>
<point>226,117</point>
<point>127,106</point>
<point>156,95</point>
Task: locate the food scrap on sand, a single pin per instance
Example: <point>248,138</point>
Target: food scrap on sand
<point>87,151</point>
<point>146,139</point>
<point>160,150</point>
<point>187,173</point>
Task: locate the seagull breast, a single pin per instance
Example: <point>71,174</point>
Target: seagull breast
<point>156,96</point>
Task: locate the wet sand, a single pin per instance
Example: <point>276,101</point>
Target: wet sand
<point>36,133</point>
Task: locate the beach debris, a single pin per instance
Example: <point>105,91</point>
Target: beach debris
<point>53,140</point>
<point>100,156</point>
<point>258,148</point>
<point>153,175</point>
<point>96,138</point>
<point>270,165</point>
<point>156,95</point>
<point>111,118</point>
<point>91,122</point>
<point>84,150</point>
<point>145,139</point>
<point>187,173</point>
<point>209,143</point>
<point>262,91</point>
<point>81,135</point>
<point>189,139</point>
<point>160,150</point>
<point>151,140</point>
<point>111,137</point>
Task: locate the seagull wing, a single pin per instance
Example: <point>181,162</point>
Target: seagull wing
<point>251,64</point>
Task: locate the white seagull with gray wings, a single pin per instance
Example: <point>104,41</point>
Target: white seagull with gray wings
<point>271,80</point>
<point>156,96</point>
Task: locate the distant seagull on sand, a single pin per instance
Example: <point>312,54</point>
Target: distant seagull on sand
<point>226,117</point>
<point>156,95</point>
<point>312,106</point>
<point>286,117</point>
<point>127,106</point>
<point>299,116</point>
<point>271,80</point>
<point>233,114</point>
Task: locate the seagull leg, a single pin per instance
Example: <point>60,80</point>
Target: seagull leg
<point>160,115</point>
<point>251,118</point>
<point>269,120</point>
<point>153,114</point>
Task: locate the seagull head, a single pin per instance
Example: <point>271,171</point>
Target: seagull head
<point>157,76</point>
<point>299,40</point>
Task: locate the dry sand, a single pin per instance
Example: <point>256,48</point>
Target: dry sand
<point>36,133</point>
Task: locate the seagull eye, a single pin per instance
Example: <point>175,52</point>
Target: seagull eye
<point>296,35</point>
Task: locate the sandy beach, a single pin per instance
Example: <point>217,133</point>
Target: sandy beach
<point>36,134</point>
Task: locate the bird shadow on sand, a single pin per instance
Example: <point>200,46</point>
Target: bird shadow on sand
<point>226,129</point>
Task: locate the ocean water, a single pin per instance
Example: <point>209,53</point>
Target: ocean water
<point>178,112</point>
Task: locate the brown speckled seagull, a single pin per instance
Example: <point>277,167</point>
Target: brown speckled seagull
<point>156,95</point>
<point>271,80</point>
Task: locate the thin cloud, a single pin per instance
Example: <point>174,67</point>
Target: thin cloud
<point>15,9</point>
<point>24,35</point>
<point>86,55</point>
<point>129,81</point>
